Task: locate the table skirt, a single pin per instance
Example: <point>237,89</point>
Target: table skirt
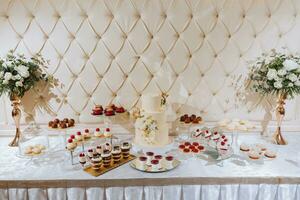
<point>172,192</point>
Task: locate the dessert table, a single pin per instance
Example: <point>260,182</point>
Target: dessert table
<point>53,177</point>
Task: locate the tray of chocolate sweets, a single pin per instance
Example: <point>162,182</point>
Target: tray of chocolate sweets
<point>102,159</point>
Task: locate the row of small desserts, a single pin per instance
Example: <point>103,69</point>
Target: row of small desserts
<point>190,119</point>
<point>34,149</point>
<point>105,155</point>
<point>65,123</point>
<point>257,151</point>
<point>154,162</point>
<point>236,124</point>
<point>75,140</point>
<point>213,138</point>
<point>188,147</point>
<point>109,110</point>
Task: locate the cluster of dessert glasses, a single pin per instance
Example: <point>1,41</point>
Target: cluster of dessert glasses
<point>105,155</point>
<point>150,161</point>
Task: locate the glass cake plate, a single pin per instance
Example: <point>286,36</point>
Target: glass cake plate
<point>149,169</point>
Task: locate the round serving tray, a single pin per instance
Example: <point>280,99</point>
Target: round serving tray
<point>148,169</point>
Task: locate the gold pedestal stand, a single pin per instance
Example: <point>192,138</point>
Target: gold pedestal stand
<point>280,112</point>
<point>16,114</point>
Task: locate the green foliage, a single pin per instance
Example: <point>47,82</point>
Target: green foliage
<point>19,74</point>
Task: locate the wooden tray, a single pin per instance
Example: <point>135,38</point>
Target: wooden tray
<point>103,170</point>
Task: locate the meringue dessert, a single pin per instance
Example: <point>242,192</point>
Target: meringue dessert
<point>254,155</point>
<point>98,133</point>
<point>79,137</point>
<point>71,145</point>
<point>270,154</point>
<point>244,147</point>
<point>107,132</point>
<point>86,134</point>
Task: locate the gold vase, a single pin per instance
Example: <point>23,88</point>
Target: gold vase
<point>16,115</point>
<point>280,112</point>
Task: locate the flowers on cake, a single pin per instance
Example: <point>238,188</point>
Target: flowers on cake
<point>149,128</point>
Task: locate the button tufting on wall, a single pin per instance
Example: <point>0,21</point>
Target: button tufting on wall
<point>71,36</point>
<point>113,94</point>
<point>125,36</point>
<point>98,37</point>
<point>217,15</point>
<point>227,74</point>
<point>190,55</point>
<point>164,15</point>
<point>163,56</point>
<point>191,16</point>
<point>100,76</point>
<point>295,15</point>
<point>126,75</point>
<point>269,15</point>
<point>249,111</point>
<point>151,36</point>
<point>176,74</point>
<point>138,57</point>
<point>202,75</point>
<point>216,55</point>
<point>138,15</point>
<point>280,35</point>
<point>244,15</point>
<point>177,35</point>
<point>5,16</point>
<point>190,94</point>
<point>214,93</point>
<point>254,35</point>
<point>86,57</point>
<point>46,37</point>
<point>75,76</point>
<point>241,55</point>
<point>229,35</point>
<point>112,57</point>
<point>77,113</point>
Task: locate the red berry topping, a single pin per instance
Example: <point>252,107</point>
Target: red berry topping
<point>81,155</point>
<point>206,131</point>
<point>158,157</point>
<point>195,143</point>
<point>187,143</point>
<point>192,147</point>
<point>70,140</point>
<point>186,150</point>
<point>225,140</point>
<point>197,130</point>
<point>222,143</point>
<point>201,148</point>
<point>86,130</point>
<point>72,136</point>
<point>195,150</point>
<point>169,158</point>
<point>181,146</point>
<point>223,136</point>
<point>154,162</point>
<point>97,129</point>
<point>215,133</point>
<point>90,150</point>
<point>107,129</point>
<point>143,158</point>
<point>78,133</point>
<point>149,153</point>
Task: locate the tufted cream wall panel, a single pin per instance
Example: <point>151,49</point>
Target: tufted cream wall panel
<point>114,50</point>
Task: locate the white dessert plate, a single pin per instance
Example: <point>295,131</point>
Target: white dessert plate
<point>148,168</point>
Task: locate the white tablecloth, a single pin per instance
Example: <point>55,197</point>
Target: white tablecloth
<point>236,178</point>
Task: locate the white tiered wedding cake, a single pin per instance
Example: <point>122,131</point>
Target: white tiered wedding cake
<point>151,129</point>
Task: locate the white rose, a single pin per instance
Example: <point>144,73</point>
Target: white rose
<point>281,72</point>
<point>22,70</point>
<point>278,85</point>
<point>1,74</point>
<point>19,83</point>
<point>272,74</point>
<point>7,76</point>
<point>290,85</point>
<point>292,77</point>
<point>297,83</point>
<point>290,65</point>
<point>16,77</point>
<point>5,82</point>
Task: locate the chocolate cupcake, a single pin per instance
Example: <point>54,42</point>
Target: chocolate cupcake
<point>56,121</point>
<point>71,122</point>
<point>66,120</point>
<point>55,125</point>
<point>63,125</point>
<point>50,124</point>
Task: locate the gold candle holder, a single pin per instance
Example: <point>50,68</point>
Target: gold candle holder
<point>280,112</point>
<point>16,115</point>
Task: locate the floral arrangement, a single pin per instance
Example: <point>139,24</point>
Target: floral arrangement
<point>19,74</point>
<point>149,128</point>
<point>277,74</point>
